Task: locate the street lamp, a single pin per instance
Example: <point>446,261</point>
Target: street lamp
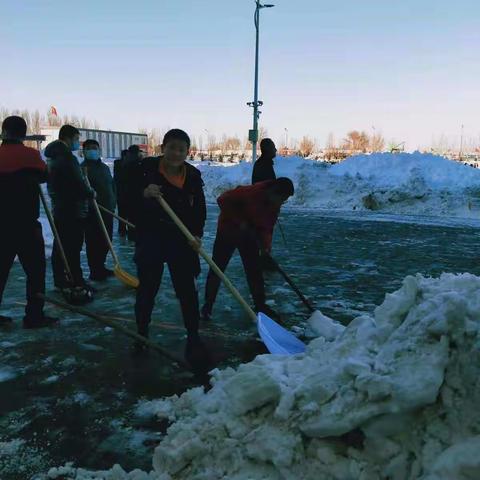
<point>253,134</point>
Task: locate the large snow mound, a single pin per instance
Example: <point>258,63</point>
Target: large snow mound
<point>392,396</point>
<point>402,183</point>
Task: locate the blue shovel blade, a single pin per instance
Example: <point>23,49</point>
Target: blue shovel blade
<point>277,339</point>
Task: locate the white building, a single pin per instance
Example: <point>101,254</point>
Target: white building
<point>111,143</point>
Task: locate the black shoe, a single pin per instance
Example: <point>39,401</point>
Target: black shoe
<point>77,295</point>
<point>206,313</point>
<point>42,322</point>
<point>5,320</point>
<point>139,349</point>
<point>197,355</point>
<point>89,288</point>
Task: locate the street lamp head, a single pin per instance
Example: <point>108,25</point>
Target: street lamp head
<point>268,5</point>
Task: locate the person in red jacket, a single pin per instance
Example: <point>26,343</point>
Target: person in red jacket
<point>21,171</point>
<point>247,217</point>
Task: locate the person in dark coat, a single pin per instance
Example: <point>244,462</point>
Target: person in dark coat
<point>263,167</point>
<point>120,186</point>
<point>70,197</point>
<point>247,217</point>
<point>134,185</point>
<point>160,241</point>
<point>21,171</point>
<point>101,181</point>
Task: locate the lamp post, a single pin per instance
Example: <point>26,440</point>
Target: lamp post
<point>253,134</point>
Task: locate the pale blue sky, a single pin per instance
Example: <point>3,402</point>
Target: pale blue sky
<point>410,68</point>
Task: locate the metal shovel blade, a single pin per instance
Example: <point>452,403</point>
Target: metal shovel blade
<point>277,339</point>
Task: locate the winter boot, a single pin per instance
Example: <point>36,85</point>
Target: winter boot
<point>206,313</point>
<point>197,355</point>
<point>5,320</point>
<point>41,322</point>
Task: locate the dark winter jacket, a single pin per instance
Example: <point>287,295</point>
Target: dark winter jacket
<point>120,178</point>
<point>134,172</point>
<point>21,171</point>
<point>263,170</point>
<point>101,181</point>
<point>66,184</point>
<point>158,237</point>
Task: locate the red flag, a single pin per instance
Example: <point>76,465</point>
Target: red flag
<point>53,111</point>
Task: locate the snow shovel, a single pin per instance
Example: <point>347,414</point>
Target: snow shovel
<point>76,295</point>
<point>118,217</point>
<point>118,327</point>
<point>277,339</point>
<point>284,274</point>
<point>125,277</point>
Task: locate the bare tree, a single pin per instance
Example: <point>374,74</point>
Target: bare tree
<point>356,141</point>
<point>330,145</point>
<point>307,146</point>
<point>211,143</point>
<point>223,144</point>
<point>377,143</point>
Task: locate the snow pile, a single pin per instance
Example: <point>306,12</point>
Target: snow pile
<point>393,396</point>
<point>394,183</point>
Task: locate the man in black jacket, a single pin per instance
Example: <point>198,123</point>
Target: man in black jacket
<point>134,185</point>
<point>70,196</point>
<point>263,167</point>
<point>120,186</point>
<point>160,241</point>
<point>21,172</point>
<point>101,181</point>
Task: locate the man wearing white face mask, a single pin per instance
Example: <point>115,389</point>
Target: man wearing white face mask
<point>102,182</point>
<point>70,196</point>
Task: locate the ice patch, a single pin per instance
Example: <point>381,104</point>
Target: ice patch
<point>7,374</point>
<point>11,447</point>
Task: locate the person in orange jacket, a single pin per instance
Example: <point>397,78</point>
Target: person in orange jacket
<point>247,217</point>
<point>21,171</point>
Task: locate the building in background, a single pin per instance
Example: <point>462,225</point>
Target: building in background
<point>111,143</point>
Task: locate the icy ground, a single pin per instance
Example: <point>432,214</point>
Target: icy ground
<point>74,394</point>
<point>407,184</point>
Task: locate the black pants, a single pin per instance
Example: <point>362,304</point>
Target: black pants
<point>71,232</point>
<point>223,249</point>
<point>96,244</point>
<point>26,242</point>
<point>183,279</point>
<point>122,212</point>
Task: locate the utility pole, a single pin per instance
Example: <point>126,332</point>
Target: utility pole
<point>253,134</point>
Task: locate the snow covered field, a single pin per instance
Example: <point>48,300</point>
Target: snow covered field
<point>411,184</point>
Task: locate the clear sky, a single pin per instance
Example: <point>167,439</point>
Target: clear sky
<point>409,68</point>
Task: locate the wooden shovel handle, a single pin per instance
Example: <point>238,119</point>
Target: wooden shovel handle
<point>102,223</point>
<point>56,235</point>
<point>207,258</point>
